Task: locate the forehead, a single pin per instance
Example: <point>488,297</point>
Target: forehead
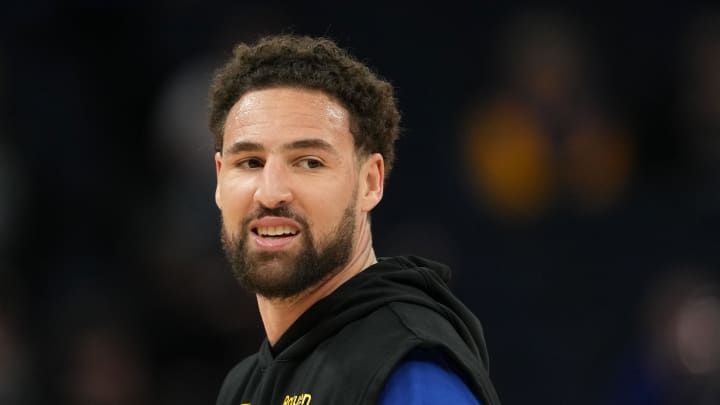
<point>285,112</point>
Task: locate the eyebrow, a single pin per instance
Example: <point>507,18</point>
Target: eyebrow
<point>244,146</point>
<point>313,143</point>
<point>310,144</point>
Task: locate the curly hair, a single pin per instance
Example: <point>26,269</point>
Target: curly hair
<point>314,64</point>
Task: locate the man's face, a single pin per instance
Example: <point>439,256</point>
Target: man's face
<point>288,190</point>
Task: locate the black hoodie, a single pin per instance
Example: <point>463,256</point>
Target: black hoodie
<point>343,348</point>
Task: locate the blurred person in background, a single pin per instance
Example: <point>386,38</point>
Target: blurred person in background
<point>544,140</point>
<point>677,360</point>
<point>180,269</point>
<point>304,137</point>
<point>180,248</point>
<point>183,269</point>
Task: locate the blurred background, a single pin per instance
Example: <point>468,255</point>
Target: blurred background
<point>564,160</point>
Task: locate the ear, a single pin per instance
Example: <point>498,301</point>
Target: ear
<point>218,168</point>
<point>372,180</point>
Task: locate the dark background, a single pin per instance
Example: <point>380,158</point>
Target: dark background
<point>564,160</point>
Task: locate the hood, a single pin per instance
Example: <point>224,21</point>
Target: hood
<point>408,279</point>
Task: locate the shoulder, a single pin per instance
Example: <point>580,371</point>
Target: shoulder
<point>431,327</point>
<point>425,377</point>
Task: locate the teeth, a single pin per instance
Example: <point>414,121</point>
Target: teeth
<point>276,230</point>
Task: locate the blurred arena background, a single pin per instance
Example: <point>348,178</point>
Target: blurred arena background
<point>564,160</point>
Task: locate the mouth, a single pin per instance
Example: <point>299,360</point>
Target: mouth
<point>273,232</point>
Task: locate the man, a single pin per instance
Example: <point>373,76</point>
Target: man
<point>304,135</point>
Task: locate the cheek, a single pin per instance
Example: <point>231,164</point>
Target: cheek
<point>236,198</point>
<point>329,203</point>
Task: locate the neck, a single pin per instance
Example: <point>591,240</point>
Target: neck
<point>279,314</point>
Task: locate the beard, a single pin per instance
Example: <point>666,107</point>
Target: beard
<point>287,274</point>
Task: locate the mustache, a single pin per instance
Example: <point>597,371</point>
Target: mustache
<point>282,211</point>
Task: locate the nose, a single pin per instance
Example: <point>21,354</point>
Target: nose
<point>273,188</point>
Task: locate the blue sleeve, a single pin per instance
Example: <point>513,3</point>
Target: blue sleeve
<point>424,378</point>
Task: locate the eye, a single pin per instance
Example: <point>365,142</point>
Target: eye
<point>249,163</point>
<point>310,163</point>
